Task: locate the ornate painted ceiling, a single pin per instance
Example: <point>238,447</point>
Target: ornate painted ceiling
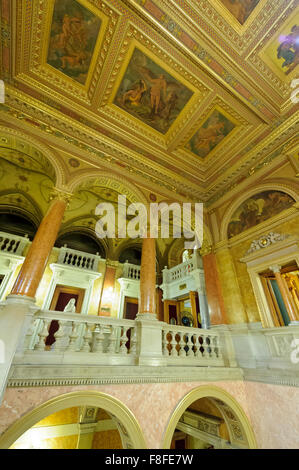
<point>191,97</point>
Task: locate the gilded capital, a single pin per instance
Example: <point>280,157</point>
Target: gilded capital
<point>60,195</point>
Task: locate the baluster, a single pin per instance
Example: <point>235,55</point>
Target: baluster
<point>112,341</point>
<point>72,346</point>
<point>200,350</point>
<point>165,343</point>
<point>99,343</point>
<point>43,333</point>
<point>189,345</point>
<point>214,347</point>
<point>182,351</point>
<point>173,343</point>
<point>87,338</point>
<point>62,336</point>
<point>133,341</point>
<point>124,339</point>
<point>196,346</point>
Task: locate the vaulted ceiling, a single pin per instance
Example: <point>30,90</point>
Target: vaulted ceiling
<point>189,96</point>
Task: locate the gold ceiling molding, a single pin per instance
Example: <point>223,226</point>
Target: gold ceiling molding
<point>275,139</point>
<point>221,19</point>
<point>35,61</point>
<point>145,169</point>
<point>140,41</point>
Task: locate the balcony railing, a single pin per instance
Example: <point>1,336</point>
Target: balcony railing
<point>131,271</point>
<point>191,346</point>
<point>87,338</point>
<point>78,259</point>
<point>12,243</point>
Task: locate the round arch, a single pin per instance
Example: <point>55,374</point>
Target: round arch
<point>275,186</point>
<point>14,139</point>
<point>105,180</point>
<point>123,416</point>
<point>220,396</point>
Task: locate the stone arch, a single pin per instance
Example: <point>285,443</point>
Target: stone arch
<point>275,186</point>
<point>15,140</point>
<point>233,414</point>
<point>127,424</point>
<point>106,180</point>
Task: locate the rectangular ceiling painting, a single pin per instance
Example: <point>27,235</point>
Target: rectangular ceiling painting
<point>74,33</point>
<point>210,134</point>
<point>151,94</point>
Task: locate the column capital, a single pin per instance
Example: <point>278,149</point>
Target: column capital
<point>275,268</point>
<point>205,249</point>
<point>58,194</point>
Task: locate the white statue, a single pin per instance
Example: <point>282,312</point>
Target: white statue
<point>71,306</point>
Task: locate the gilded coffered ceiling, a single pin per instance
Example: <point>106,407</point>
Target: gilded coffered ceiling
<point>188,96</point>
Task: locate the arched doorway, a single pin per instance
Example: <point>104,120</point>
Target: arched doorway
<point>81,410</point>
<point>209,418</point>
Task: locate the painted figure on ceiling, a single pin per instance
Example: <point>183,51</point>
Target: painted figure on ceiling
<point>289,50</point>
<point>211,135</point>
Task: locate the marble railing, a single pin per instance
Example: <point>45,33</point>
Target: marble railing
<point>78,259</point>
<point>81,339</point>
<point>178,272</point>
<point>191,346</point>
<point>12,244</point>
<point>131,271</point>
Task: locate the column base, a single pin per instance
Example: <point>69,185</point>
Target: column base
<point>19,299</point>
<point>149,340</point>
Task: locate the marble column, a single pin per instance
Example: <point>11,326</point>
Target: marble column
<point>148,327</point>
<point>285,294</point>
<point>35,262</point>
<point>17,313</point>
<point>147,302</point>
<point>213,289</point>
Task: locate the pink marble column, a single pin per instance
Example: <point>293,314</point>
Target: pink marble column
<point>35,263</point>
<point>147,303</point>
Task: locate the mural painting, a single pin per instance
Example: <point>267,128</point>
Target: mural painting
<point>258,208</point>
<point>74,33</point>
<point>241,9</point>
<point>150,94</point>
<point>288,50</point>
<point>210,134</point>
<point>281,53</point>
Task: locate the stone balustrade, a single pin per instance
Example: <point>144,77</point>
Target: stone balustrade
<point>178,272</point>
<point>131,271</point>
<point>78,259</point>
<point>191,346</point>
<point>80,339</point>
<point>12,244</point>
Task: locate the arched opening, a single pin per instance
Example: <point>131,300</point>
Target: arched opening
<point>17,223</point>
<point>81,241</point>
<point>79,420</point>
<point>132,255</point>
<point>209,418</point>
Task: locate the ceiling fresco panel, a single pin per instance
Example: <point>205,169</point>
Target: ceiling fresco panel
<point>73,36</point>
<point>214,129</point>
<point>281,53</point>
<point>240,9</point>
<point>149,93</point>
